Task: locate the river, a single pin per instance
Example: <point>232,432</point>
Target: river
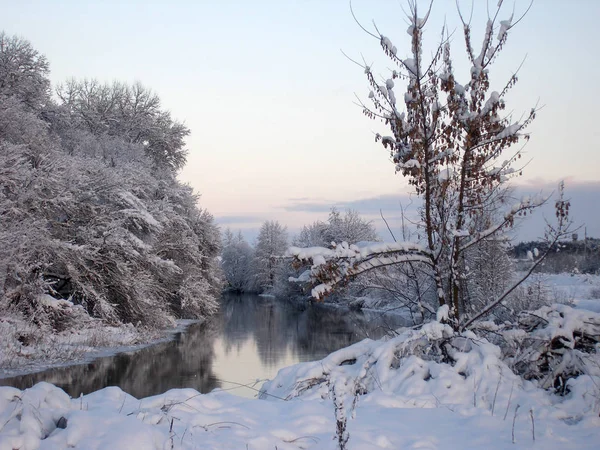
<point>248,341</point>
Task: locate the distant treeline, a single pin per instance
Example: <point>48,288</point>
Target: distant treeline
<point>567,256</point>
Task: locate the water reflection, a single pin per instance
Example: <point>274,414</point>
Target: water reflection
<point>250,339</point>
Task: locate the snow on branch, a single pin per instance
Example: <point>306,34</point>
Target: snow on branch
<point>332,266</point>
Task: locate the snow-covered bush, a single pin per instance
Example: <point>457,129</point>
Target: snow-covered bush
<point>435,367</point>
<point>554,345</point>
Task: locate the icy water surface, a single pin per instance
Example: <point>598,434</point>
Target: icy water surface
<point>250,339</point>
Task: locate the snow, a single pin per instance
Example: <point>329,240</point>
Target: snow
<point>345,250</point>
<point>410,164</point>
<point>411,66</point>
<point>412,403</point>
<point>388,46</point>
<point>490,103</point>
<point>54,303</point>
<point>445,174</point>
<point>504,27</point>
<point>443,313</point>
<point>509,131</point>
<point>582,290</point>
<point>394,393</point>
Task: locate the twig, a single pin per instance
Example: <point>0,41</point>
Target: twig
<point>122,404</point>
<point>250,386</point>
<point>388,227</point>
<point>224,422</point>
<point>513,424</point>
<point>509,398</point>
<point>532,424</point>
<point>496,393</point>
<point>313,438</point>
<point>171,433</point>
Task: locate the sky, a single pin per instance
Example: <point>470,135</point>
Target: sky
<point>269,97</point>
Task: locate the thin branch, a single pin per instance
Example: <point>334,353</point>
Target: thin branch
<point>387,225</point>
<point>359,24</point>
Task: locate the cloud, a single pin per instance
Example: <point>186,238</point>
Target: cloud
<point>584,196</point>
<point>584,211</point>
<point>389,203</point>
<point>238,220</point>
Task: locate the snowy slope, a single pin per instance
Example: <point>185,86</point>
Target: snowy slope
<point>183,418</point>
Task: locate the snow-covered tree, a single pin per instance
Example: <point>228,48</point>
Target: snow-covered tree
<point>23,72</point>
<point>349,227</point>
<point>117,239</point>
<point>271,245</point>
<point>312,235</point>
<point>130,112</point>
<point>236,260</point>
<point>453,143</point>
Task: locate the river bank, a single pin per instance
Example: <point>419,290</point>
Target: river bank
<point>27,349</point>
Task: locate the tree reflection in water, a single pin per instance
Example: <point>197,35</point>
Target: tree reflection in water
<point>250,338</point>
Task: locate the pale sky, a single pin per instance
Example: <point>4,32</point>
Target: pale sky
<point>268,95</point>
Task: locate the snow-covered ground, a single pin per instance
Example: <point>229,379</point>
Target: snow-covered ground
<point>408,403</point>
<point>583,290</point>
<point>183,418</point>
<point>390,394</point>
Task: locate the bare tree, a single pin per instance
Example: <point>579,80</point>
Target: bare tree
<point>130,112</point>
<point>453,143</point>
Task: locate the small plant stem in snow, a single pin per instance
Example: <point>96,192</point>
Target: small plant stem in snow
<point>532,424</point>
<point>513,425</point>
<point>496,394</point>
<point>509,398</point>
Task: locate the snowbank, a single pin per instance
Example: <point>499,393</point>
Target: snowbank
<point>44,417</point>
<point>386,395</point>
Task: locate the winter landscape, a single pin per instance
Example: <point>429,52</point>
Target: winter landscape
<point>239,245</point>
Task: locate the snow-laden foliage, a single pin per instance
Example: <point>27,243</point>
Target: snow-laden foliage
<point>248,269</point>
<point>90,217</point>
<point>23,72</point>
<point>331,266</point>
<point>554,345</point>
<point>340,227</point>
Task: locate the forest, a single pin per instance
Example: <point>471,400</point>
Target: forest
<point>96,228</point>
